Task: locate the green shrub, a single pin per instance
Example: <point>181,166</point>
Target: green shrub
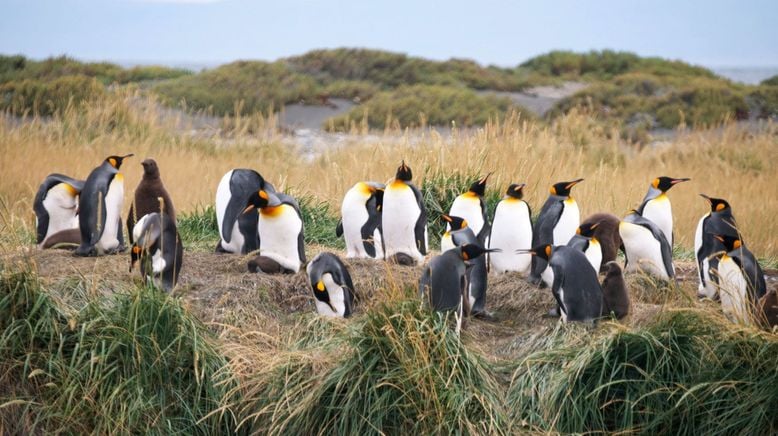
<point>352,89</point>
<point>149,72</point>
<point>765,98</point>
<point>48,97</point>
<point>319,222</point>
<point>772,81</point>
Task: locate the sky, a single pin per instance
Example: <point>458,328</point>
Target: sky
<point>712,33</point>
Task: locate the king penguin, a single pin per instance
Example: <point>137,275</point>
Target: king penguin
<point>740,279</point>
<point>585,241</point>
<point>148,195</point>
<point>576,287</point>
<point>56,209</point>
<point>471,207</point>
<point>656,205</point>
<point>238,231</point>
<point>332,286</point>
<point>607,233</point>
<point>614,291</point>
<point>646,247</point>
<point>511,231</point>
<point>719,221</point>
<point>404,219</point>
<point>100,209</point>
<point>281,235</point>
<point>555,225</point>
<point>360,223</point>
<point>158,248</point>
<point>443,282</point>
<point>477,274</point>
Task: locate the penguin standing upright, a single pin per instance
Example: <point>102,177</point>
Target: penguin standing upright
<point>585,241</point>
<point>576,287</point>
<point>158,248</point>
<point>56,209</point>
<point>614,291</point>
<point>404,219</point>
<point>471,207</point>
<point>607,233</point>
<point>100,209</point>
<point>360,222</point>
<point>656,205</point>
<point>443,282</point>
<point>740,279</point>
<point>477,274</point>
<point>281,235</point>
<point>556,224</point>
<point>147,197</point>
<point>238,231</point>
<point>332,286</point>
<point>511,231</point>
<point>646,247</point>
<point>719,221</point>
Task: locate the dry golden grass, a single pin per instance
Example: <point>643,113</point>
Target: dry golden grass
<point>727,162</point>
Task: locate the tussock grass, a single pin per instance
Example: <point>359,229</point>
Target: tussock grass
<point>199,228</point>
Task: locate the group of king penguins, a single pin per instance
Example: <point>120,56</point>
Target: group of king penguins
<point>389,222</point>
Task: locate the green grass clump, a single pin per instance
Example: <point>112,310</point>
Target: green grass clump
<point>199,229</point>
<point>765,98</point>
<point>398,370</point>
<point>688,373</point>
<point>32,96</point>
<point>319,222</point>
<point>771,81</point>
<point>137,362</point>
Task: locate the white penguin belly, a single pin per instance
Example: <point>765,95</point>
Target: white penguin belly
<point>660,212</point>
<point>594,254</point>
<point>446,242</point>
<point>379,244</point>
<point>354,216</point>
<point>400,214</point>
<point>511,231</point>
<point>568,222</point>
<point>336,295</point>
<point>61,207</point>
<point>158,263</point>
<point>468,207</point>
<point>114,200</point>
<point>547,276</point>
<point>278,233</point>
<point>697,246</point>
<point>733,291</point>
<point>644,252</point>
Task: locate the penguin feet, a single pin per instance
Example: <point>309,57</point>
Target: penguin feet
<point>263,264</point>
<point>86,251</point>
<point>219,248</point>
<point>484,315</point>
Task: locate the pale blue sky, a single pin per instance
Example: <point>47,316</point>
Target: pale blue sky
<point>711,33</point>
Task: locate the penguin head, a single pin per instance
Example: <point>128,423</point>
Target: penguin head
<point>116,161</point>
<point>716,204</point>
<point>730,242</point>
<point>516,190</point>
<point>472,251</point>
<point>456,223</point>
<point>664,183</point>
<point>404,173</point>
<point>587,229</point>
<point>542,251</point>
<point>150,168</point>
<point>260,199</point>
<point>562,189</point>
<point>479,186</point>
<point>134,255</point>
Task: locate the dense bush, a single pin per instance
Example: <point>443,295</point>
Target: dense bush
<point>765,98</point>
<point>773,81</point>
<point>48,97</point>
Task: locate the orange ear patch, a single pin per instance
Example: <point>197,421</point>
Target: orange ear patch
<point>737,243</point>
<point>548,250</point>
<point>262,194</point>
<point>720,207</point>
<point>112,161</point>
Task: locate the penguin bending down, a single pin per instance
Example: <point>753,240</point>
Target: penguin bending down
<point>238,230</point>
<point>511,231</point>
<point>576,287</point>
<point>555,225</point>
<point>614,291</point>
<point>585,241</point>
<point>645,247</point>
<point>281,235</point>
<point>100,209</point>
<point>740,279</point>
<point>719,221</point>
<point>158,248</point>
<point>443,283</point>
<point>148,194</point>
<point>607,233</point>
<point>404,220</point>
<point>360,222</point>
<point>656,205</point>
<point>56,210</point>
<point>471,207</point>
<point>332,286</point>
<point>477,275</point>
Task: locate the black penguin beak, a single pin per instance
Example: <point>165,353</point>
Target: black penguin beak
<point>128,155</point>
<point>675,181</point>
<point>708,199</point>
<point>485,178</point>
<point>573,183</point>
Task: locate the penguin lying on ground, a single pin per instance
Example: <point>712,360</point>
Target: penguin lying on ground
<point>607,233</point>
<point>281,235</point>
<point>656,205</point>
<point>158,248</point>
<point>238,231</point>
<point>719,221</point>
<point>471,207</point>
<point>360,222</point>
<point>331,284</point>
<point>511,231</point>
<point>147,197</point>
<point>100,209</point>
<point>443,283</point>
<point>477,275</point>
<point>56,211</point>
<point>555,225</point>
<point>404,220</point>
<point>645,247</point>
<point>585,241</point>
<point>614,291</point>
<point>740,279</point>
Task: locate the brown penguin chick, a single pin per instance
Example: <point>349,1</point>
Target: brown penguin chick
<point>68,239</point>
<point>767,309</point>
<point>607,232</point>
<point>264,264</point>
<point>147,195</point>
<point>614,291</point>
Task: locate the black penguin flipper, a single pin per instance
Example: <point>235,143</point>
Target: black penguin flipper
<point>301,246</point>
<point>421,224</point>
<point>243,183</point>
<point>373,222</point>
<point>339,228</point>
<point>555,286</point>
<point>131,222</point>
<point>580,243</point>
<point>543,232</point>
<point>93,231</point>
<point>667,252</point>
<point>43,221</point>
<point>120,234</point>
